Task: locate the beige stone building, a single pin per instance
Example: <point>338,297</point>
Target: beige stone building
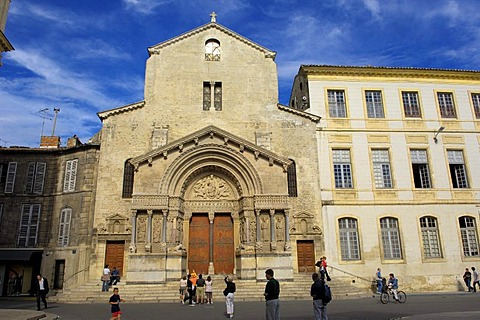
<point>399,176</point>
<point>5,45</point>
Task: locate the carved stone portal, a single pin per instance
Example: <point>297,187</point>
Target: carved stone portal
<point>211,188</point>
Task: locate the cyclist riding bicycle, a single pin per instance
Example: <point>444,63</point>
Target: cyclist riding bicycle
<point>393,285</point>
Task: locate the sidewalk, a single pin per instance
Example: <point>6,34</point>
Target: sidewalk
<point>17,314</point>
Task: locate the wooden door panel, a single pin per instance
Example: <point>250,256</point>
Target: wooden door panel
<point>223,245</point>
<point>306,256</point>
<point>199,244</point>
<point>114,254</point>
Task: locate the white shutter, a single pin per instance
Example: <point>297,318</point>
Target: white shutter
<point>68,169</point>
<point>10,183</point>
<point>34,223</point>
<point>64,227</point>
<point>70,175</point>
<point>30,177</point>
<point>39,177</point>
<point>24,224</point>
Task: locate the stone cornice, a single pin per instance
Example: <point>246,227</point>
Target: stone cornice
<point>389,72</point>
<point>304,114</point>
<point>5,45</point>
<point>211,131</point>
<point>212,25</point>
<point>105,114</point>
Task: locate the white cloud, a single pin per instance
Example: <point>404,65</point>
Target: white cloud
<point>145,6</point>
<point>373,6</point>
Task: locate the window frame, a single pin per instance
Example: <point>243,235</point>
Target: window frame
<point>446,113</point>
<point>466,237</point>
<point>70,178</point>
<point>411,107</point>
<point>212,53</point>
<point>10,177</point>
<point>292,179</point>
<point>336,105</point>
<point>418,163</point>
<point>458,168</point>
<point>387,235</point>
<point>380,175</point>
<point>430,236</point>
<point>35,177</point>
<point>349,239</point>
<point>64,225</point>
<point>128,180</point>
<point>475,103</point>
<point>346,182</point>
<point>375,109</point>
<point>25,229</point>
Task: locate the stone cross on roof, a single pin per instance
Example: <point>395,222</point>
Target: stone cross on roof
<point>213,15</point>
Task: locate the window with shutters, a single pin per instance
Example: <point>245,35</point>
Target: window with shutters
<point>342,169</point>
<point>336,104</point>
<point>411,106</point>
<point>64,227</point>
<point>468,231</point>
<point>10,178</point>
<point>35,177</point>
<point>421,172</point>
<point>458,171</point>
<point>476,104</point>
<point>392,249</point>
<point>29,223</point>
<point>374,103</point>
<point>70,175</point>
<point>381,169</point>
<point>348,232</point>
<point>430,238</point>
<point>446,105</point>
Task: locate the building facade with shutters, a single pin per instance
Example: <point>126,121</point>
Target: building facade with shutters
<point>399,179</point>
<point>46,209</point>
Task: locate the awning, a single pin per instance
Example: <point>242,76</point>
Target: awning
<point>17,255</point>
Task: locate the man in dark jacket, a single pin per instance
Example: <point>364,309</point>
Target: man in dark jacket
<point>41,288</point>
<point>272,291</point>
<point>317,292</point>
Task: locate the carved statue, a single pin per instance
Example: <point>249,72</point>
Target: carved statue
<point>242,231</point>
<point>179,231</point>
<point>253,231</point>
<point>141,229</point>
<point>265,229</point>
<point>157,229</point>
<point>279,229</point>
<point>211,187</point>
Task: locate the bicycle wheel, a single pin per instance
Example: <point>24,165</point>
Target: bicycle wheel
<point>384,297</point>
<point>402,296</point>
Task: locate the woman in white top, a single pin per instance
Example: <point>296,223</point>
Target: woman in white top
<point>183,288</point>
<point>208,290</point>
<point>106,278</point>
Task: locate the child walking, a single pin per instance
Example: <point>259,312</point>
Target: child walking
<point>115,303</point>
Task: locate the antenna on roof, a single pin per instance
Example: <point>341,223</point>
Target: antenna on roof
<point>43,113</point>
<point>56,110</point>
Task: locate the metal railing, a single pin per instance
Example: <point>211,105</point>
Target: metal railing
<point>352,274</point>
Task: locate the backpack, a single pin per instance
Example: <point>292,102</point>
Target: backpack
<point>328,295</point>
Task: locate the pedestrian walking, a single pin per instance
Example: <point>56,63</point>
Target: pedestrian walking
<point>42,288</point>
<point>183,289</point>
<point>189,291</point>
<point>467,278</point>
<point>475,279</point>
<point>272,291</point>
<point>105,278</point>
<point>229,294</point>
<point>209,290</point>
<point>115,303</point>
<point>378,278</point>
<point>317,291</point>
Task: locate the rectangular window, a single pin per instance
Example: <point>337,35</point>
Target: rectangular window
<point>70,175</point>
<point>390,239</point>
<point>476,104</point>
<point>1,214</point>
<point>446,105</point>
<point>207,96</point>
<point>218,96</point>
<point>349,239</point>
<point>411,106</point>
<point>336,104</point>
<point>381,169</point>
<point>468,231</point>
<point>292,179</point>
<point>430,239</point>
<point>374,104</point>
<point>35,177</point>
<point>421,173</point>
<point>458,173</point>
<point>10,180</point>
<point>342,169</point>
<point>29,222</point>
<point>208,88</point>
<point>64,227</point>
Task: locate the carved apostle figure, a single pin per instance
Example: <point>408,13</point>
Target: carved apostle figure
<point>253,231</point>
<point>157,229</point>
<point>279,229</point>
<point>265,229</point>
<point>141,229</point>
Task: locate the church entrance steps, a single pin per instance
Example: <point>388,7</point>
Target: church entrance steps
<point>247,290</point>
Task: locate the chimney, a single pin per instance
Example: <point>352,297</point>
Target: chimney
<point>73,142</point>
<point>49,142</point>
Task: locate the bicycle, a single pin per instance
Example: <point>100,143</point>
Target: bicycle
<point>385,296</point>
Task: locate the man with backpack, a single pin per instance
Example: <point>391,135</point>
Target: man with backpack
<point>320,297</point>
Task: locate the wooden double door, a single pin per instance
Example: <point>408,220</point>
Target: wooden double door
<point>306,256</point>
<point>211,243</point>
<point>114,254</point>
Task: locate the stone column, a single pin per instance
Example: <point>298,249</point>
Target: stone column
<point>257,219</point>
<point>273,244</point>
<point>247,229</point>
<point>133,247</point>
<point>287,230</point>
<point>148,246</point>
<point>164,226</point>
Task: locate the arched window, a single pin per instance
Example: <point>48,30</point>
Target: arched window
<point>292,180</point>
<point>212,50</point>
<point>392,248</point>
<point>128,172</point>
<point>348,233</point>
<point>64,227</point>
<point>468,231</point>
<point>430,238</point>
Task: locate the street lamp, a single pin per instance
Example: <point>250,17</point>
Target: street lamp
<point>437,133</point>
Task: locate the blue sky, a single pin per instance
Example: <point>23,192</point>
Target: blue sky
<point>87,56</point>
